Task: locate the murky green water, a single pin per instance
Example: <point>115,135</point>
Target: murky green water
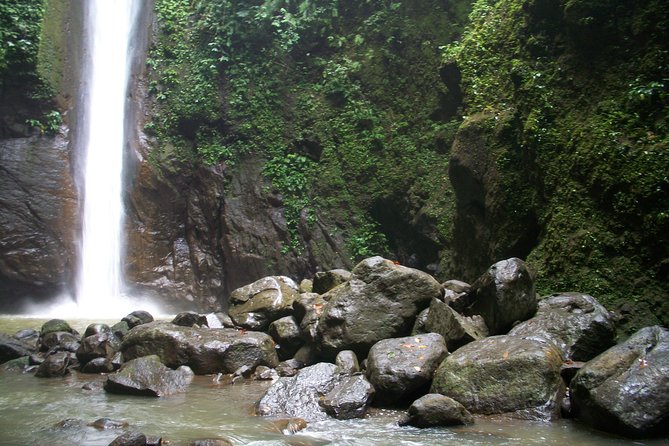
<point>30,409</point>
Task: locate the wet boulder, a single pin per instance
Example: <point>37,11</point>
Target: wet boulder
<point>15,365</point>
<point>349,398</point>
<point>12,348</point>
<point>456,329</point>
<point>289,367</point>
<point>98,365</point>
<point>147,376</point>
<point>287,334</point>
<point>138,317</point>
<point>130,439</point>
<point>504,295</point>
<point>59,341</point>
<point>255,306</point>
<point>352,318</point>
<point>95,329</point>
<point>120,329</point>
<point>190,319</point>
<point>101,345</point>
<point>579,325</point>
<point>347,362</point>
<point>28,336</point>
<point>300,395</point>
<point>434,410</point>
<point>504,375</point>
<point>204,350</point>
<point>54,325</point>
<point>625,390</point>
<point>55,365</point>
<point>402,367</point>
<point>324,281</point>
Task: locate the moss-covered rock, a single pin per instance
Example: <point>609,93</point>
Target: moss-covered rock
<point>504,374</point>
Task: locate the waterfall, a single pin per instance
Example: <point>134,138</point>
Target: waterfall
<point>100,275</point>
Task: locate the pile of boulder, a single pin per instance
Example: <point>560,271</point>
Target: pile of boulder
<point>386,335</point>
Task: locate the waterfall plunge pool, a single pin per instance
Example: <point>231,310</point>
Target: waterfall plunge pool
<point>31,409</point>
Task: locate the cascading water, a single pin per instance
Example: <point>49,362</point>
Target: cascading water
<point>100,274</point>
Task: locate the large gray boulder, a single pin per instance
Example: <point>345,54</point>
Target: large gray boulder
<point>300,395</point>
<point>147,376</point>
<point>504,295</point>
<point>579,325</point>
<point>204,350</point>
<point>380,301</point>
<point>256,305</point>
<point>434,410</point>
<point>504,374</point>
<point>399,368</point>
<point>456,329</point>
<point>625,390</point>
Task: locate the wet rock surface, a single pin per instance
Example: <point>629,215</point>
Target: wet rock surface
<point>351,319</point>
<point>55,365</point>
<point>257,305</point>
<point>300,396</point>
<point>12,348</point>
<point>324,281</point>
<point>504,295</point>
<point>349,398</point>
<point>625,390</point>
<point>204,350</point>
<point>288,336</point>
<point>434,410</point>
<point>400,367</point>
<point>579,325</point>
<point>456,329</point>
<point>38,217</point>
<point>147,376</point>
<point>504,375</point>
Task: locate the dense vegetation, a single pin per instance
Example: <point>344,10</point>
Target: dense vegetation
<point>354,106</point>
<point>29,69</point>
<point>346,104</point>
<point>586,85</point>
<point>342,99</point>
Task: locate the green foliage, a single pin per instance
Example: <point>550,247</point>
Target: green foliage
<point>590,141</point>
<point>357,81</point>
<point>19,33</point>
<point>49,124</point>
<point>366,240</point>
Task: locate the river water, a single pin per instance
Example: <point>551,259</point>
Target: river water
<point>31,409</point>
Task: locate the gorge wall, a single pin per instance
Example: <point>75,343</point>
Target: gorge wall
<point>284,137</point>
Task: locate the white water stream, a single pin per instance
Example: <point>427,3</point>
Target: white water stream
<point>99,285</point>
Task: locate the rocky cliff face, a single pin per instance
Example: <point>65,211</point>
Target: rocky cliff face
<point>196,233</point>
<point>38,217</point>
